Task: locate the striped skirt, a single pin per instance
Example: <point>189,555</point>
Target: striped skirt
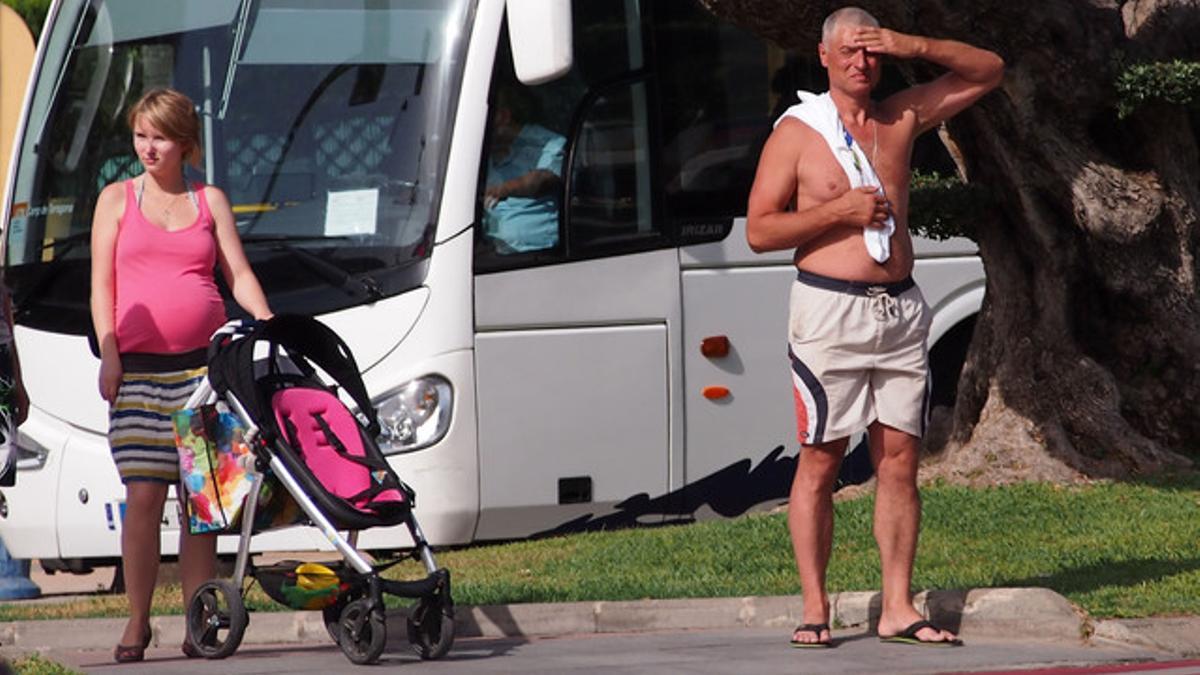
<point>140,431</point>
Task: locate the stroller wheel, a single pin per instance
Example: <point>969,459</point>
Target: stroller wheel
<point>431,627</point>
<point>216,619</point>
<point>332,615</point>
<point>362,632</point>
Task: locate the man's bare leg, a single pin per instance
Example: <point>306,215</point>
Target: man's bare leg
<point>897,523</point>
<point>810,521</point>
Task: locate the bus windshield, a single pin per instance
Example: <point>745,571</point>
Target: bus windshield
<point>327,123</point>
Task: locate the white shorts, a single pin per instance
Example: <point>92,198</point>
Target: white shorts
<point>858,355</point>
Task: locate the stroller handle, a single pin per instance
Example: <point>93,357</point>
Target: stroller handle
<point>229,331</point>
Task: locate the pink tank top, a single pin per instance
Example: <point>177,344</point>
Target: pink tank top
<point>167,300</point>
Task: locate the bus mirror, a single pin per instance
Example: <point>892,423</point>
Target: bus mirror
<point>540,34</point>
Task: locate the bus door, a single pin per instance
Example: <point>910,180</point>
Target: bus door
<point>576,293</point>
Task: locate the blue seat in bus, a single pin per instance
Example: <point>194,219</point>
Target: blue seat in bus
<point>321,153</point>
<point>117,168</point>
<point>256,163</point>
<point>353,145</point>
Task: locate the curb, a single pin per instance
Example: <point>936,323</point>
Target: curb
<point>1178,635</point>
<point>983,613</point>
<point>975,614</point>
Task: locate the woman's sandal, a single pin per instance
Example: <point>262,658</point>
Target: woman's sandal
<point>133,653</point>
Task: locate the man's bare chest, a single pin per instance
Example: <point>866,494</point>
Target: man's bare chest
<point>820,177</point>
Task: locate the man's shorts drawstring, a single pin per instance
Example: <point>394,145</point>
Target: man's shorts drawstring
<point>884,304</point>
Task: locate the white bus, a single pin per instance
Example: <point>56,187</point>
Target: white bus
<point>630,368</point>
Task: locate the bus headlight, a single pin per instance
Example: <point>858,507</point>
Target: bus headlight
<point>415,416</point>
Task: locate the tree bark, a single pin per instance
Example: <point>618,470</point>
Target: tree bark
<point>1086,355</point>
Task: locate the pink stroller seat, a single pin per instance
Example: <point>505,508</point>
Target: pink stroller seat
<point>327,438</point>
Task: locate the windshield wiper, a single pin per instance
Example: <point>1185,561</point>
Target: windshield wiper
<point>332,273</point>
<point>235,54</point>
<point>286,238</point>
<point>294,127</point>
<point>67,244</point>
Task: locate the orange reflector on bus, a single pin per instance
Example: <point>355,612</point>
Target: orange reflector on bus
<point>715,346</point>
<point>714,393</point>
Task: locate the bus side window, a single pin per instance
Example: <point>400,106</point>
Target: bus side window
<point>592,132</point>
<point>715,112</point>
<point>609,197</point>
<point>522,175</point>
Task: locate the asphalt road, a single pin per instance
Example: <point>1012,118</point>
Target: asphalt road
<point>741,650</point>
<point>1027,630</point>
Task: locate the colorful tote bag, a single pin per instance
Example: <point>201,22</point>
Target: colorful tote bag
<point>276,506</point>
<point>215,466</point>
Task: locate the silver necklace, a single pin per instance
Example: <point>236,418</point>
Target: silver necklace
<point>874,144</point>
<point>170,206</point>
<point>171,202</point>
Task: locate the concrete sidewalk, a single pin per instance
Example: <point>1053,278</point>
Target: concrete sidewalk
<point>998,613</point>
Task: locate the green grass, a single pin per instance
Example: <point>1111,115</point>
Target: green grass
<point>1114,549</point>
<point>36,664</point>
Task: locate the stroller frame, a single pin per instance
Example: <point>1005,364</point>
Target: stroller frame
<point>356,623</point>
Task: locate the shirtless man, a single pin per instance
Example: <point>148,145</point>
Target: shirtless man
<point>858,325</point>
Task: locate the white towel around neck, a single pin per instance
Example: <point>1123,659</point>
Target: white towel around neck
<point>820,113</point>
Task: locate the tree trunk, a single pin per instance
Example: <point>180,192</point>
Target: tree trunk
<point>1086,356</point>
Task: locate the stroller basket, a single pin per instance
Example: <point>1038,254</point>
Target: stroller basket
<point>307,585</point>
<point>319,585</point>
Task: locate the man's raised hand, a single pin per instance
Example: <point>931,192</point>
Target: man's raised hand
<point>884,41</point>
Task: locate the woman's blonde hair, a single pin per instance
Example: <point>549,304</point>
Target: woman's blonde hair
<point>174,114</point>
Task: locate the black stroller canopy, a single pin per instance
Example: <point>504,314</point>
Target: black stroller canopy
<point>307,342</point>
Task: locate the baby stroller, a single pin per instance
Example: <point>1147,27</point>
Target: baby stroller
<point>306,458</point>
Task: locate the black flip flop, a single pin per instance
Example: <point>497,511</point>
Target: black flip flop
<point>908,636</point>
<point>815,629</point>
